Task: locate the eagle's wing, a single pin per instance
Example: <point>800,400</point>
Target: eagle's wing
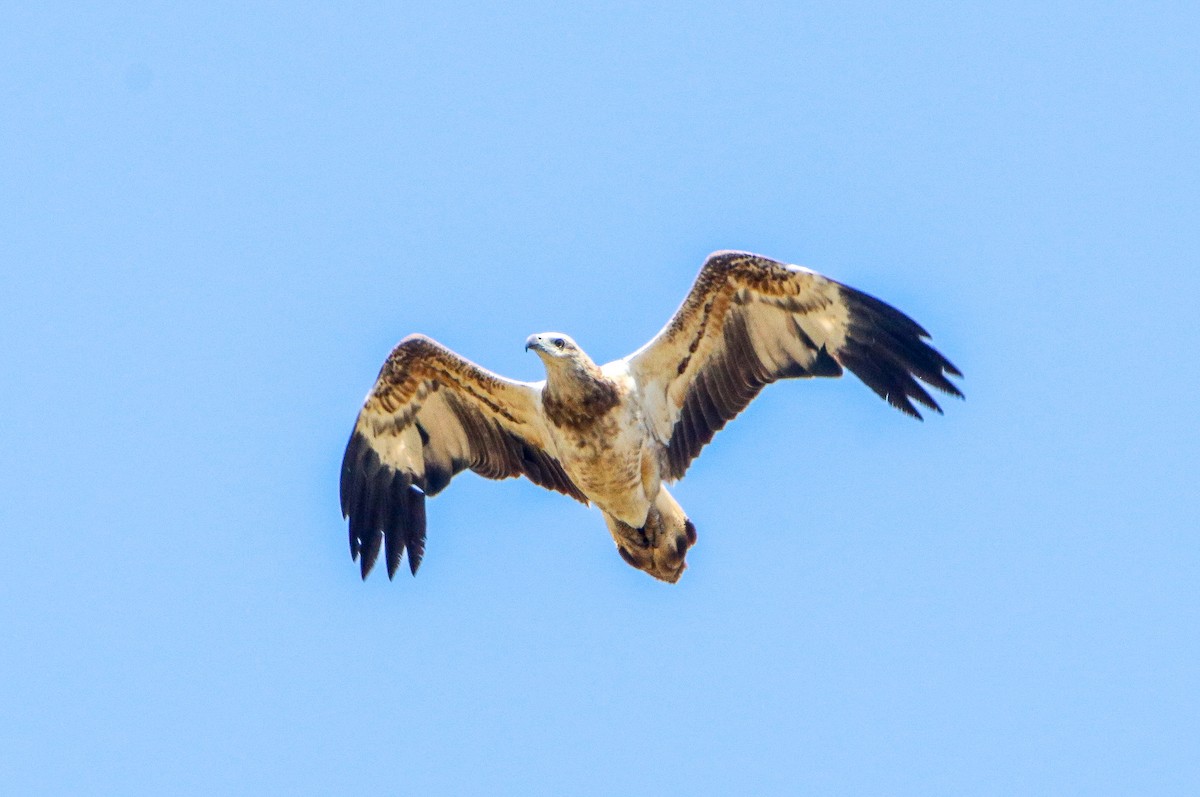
<point>749,321</point>
<point>431,414</point>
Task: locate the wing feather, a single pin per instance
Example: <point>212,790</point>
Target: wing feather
<point>430,415</point>
<point>749,321</point>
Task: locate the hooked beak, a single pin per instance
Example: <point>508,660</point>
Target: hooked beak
<point>533,342</point>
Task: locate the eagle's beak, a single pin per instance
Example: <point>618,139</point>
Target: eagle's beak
<point>533,342</point>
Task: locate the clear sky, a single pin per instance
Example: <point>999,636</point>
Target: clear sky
<point>216,220</point>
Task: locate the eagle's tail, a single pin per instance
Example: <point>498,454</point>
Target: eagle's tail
<point>660,546</point>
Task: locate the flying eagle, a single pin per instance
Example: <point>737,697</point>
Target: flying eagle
<point>613,435</point>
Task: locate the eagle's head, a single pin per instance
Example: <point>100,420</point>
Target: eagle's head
<point>552,345</point>
<point>559,351</point>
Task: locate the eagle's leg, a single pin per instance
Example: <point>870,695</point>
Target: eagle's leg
<point>660,546</point>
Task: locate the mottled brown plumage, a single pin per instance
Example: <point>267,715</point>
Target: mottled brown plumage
<point>595,398</point>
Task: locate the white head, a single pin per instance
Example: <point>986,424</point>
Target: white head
<point>559,352</point>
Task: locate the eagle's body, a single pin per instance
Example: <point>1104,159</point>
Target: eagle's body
<point>610,452</point>
<point>612,435</point>
<point>603,451</point>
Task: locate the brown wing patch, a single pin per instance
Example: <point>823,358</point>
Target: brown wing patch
<point>419,362</point>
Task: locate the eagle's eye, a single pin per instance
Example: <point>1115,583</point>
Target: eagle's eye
<point>559,343</point>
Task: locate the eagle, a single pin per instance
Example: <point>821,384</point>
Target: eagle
<point>615,435</point>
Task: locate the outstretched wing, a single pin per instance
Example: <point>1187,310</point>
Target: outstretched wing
<point>749,321</point>
<point>430,415</point>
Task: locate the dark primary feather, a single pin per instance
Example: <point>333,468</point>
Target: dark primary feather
<point>886,349</point>
<point>387,506</point>
<point>384,507</point>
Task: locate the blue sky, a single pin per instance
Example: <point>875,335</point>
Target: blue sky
<point>217,220</point>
